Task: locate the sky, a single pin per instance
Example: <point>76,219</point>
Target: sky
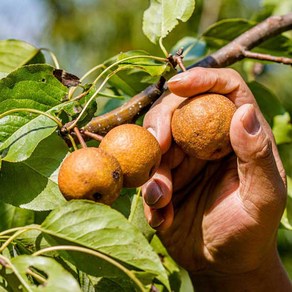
<point>23,19</point>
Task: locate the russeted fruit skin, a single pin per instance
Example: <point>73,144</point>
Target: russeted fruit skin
<point>90,173</point>
<point>201,124</point>
<point>137,151</point>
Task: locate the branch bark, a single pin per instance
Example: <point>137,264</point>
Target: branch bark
<point>233,52</point>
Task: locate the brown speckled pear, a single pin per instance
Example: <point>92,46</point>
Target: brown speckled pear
<point>137,151</point>
<point>200,126</point>
<point>92,174</point>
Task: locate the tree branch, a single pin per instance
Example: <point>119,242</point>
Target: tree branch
<point>235,51</point>
<point>266,57</point>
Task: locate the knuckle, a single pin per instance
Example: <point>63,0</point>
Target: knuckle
<point>264,152</point>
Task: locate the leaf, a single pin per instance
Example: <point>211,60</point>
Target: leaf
<point>129,81</point>
<point>102,228</point>
<point>193,48</point>
<point>224,31</point>
<point>286,220</point>
<point>286,157</point>
<point>23,142</point>
<point>55,276</point>
<point>267,101</point>
<point>13,217</point>
<point>114,285</point>
<point>171,267</point>
<point>16,53</point>
<point>34,87</point>
<point>137,217</point>
<point>162,17</point>
<point>32,183</point>
<point>282,128</point>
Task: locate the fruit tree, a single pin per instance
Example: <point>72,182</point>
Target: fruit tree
<point>71,168</point>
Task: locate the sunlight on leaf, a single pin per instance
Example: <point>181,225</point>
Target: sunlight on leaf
<point>163,16</point>
<point>282,128</point>
<point>55,277</point>
<point>102,228</point>
<point>16,53</point>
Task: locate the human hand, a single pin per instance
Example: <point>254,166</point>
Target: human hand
<point>217,218</point>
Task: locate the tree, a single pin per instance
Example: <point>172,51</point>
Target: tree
<point>46,112</point>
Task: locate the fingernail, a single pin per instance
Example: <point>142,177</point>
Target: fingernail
<point>178,78</point>
<point>153,193</point>
<point>250,121</point>
<point>156,219</point>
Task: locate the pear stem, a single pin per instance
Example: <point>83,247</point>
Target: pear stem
<point>79,137</point>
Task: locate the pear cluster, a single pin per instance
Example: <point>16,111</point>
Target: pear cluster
<point>127,156</point>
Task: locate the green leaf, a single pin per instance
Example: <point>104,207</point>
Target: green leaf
<point>16,53</point>
<point>13,217</point>
<point>23,142</point>
<point>171,267</point>
<point>137,217</point>
<point>32,183</point>
<point>282,128</point>
<point>193,48</point>
<point>102,228</point>
<point>286,220</point>
<point>286,157</point>
<point>129,81</point>
<point>267,101</point>
<point>224,31</point>
<point>31,86</point>
<point>56,278</point>
<point>114,285</point>
<point>162,17</point>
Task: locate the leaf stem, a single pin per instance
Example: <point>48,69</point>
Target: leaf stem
<point>96,254</point>
<point>159,59</point>
<point>72,142</point>
<point>35,111</point>
<point>162,47</point>
<point>73,89</point>
<point>28,227</point>
<point>53,56</point>
<point>39,278</point>
<point>16,234</point>
<point>73,125</point>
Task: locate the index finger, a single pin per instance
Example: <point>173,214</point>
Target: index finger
<point>222,81</point>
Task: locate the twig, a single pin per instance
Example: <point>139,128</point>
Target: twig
<point>253,37</point>
<point>266,57</point>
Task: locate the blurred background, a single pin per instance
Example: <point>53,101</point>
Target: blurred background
<point>84,33</point>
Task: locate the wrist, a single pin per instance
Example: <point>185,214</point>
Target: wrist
<point>269,276</point>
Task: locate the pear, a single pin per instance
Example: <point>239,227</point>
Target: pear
<point>201,124</point>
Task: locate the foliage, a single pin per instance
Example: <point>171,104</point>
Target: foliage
<point>53,244</point>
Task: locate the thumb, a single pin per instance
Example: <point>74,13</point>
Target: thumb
<point>262,189</point>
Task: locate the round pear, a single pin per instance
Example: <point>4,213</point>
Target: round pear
<point>90,173</point>
<point>137,151</point>
<point>201,124</point>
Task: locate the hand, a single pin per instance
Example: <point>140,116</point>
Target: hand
<point>217,218</point>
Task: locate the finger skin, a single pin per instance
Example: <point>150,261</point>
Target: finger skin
<point>158,119</point>
<point>222,81</point>
<point>261,184</point>
<point>159,219</point>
